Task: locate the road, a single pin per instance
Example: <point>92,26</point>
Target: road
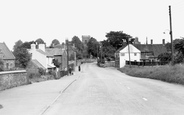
<point>106,91</point>
<point>95,91</point>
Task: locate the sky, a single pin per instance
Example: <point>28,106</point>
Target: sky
<point>28,20</point>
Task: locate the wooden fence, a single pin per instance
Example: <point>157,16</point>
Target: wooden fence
<point>146,63</point>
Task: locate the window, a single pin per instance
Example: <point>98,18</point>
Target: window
<point>135,54</point>
<point>122,54</point>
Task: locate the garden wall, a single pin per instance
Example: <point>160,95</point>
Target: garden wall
<point>11,79</point>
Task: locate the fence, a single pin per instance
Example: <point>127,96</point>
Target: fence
<point>146,63</point>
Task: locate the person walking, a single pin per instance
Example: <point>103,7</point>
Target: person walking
<point>70,71</point>
<point>79,68</point>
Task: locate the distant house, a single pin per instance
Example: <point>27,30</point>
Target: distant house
<point>139,52</point>
<point>42,57</point>
<point>122,55</point>
<point>7,56</point>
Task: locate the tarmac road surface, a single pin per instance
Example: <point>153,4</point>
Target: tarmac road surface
<point>94,91</point>
<point>106,91</point>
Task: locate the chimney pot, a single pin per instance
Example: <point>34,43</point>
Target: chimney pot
<point>163,41</point>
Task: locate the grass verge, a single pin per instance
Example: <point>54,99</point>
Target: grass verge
<point>167,73</point>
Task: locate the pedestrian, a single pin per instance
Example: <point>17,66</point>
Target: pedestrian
<point>79,68</point>
<point>70,70</point>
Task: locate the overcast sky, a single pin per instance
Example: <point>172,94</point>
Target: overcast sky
<point>29,20</point>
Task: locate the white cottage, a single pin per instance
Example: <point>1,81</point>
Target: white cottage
<point>122,55</point>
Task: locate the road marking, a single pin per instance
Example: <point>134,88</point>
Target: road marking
<point>145,99</point>
<point>60,93</point>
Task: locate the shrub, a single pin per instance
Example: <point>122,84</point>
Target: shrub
<point>171,74</point>
<point>41,71</point>
<point>52,73</point>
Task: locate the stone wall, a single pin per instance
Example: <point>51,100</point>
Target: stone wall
<point>11,79</point>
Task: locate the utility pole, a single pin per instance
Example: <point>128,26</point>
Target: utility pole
<point>67,56</point>
<point>129,54</point>
<point>171,35</point>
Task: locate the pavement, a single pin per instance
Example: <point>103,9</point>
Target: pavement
<point>95,91</point>
<point>35,98</point>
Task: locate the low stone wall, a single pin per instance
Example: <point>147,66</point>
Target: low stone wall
<point>11,79</point>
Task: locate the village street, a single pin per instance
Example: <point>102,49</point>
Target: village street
<point>95,91</point>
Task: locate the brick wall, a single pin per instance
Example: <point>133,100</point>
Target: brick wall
<point>11,79</point>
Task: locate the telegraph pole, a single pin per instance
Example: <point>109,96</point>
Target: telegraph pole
<point>129,54</point>
<point>67,56</point>
<point>171,35</point>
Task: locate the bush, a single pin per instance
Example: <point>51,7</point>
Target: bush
<point>171,74</point>
<point>41,71</point>
<point>52,73</point>
<point>33,75</point>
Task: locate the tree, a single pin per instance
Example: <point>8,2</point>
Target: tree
<point>165,57</point>
<point>17,44</point>
<point>179,50</point>
<point>54,43</point>
<point>56,63</point>
<point>116,39</point>
<point>27,45</point>
<point>79,47</point>
<point>39,41</point>
<point>22,57</point>
<point>92,46</point>
<point>21,54</point>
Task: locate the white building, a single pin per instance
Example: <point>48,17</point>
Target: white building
<point>42,55</point>
<point>122,55</point>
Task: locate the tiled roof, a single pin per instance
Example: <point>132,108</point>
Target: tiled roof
<point>5,53</point>
<point>42,52</point>
<point>35,62</point>
<point>155,48</point>
<point>54,51</point>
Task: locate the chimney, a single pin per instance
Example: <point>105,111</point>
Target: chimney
<point>163,41</point>
<point>33,46</point>
<point>151,41</point>
<point>41,47</point>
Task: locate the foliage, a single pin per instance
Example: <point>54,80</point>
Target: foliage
<point>116,39</point>
<point>1,65</point>
<point>54,43</point>
<point>41,71</point>
<point>22,57</point>
<point>71,57</point>
<point>79,47</point>
<point>39,41</point>
<point>93,47</point>
<point>108,51</point>
<point>171,74</point>
<point>27,45</point>
<point>56,63</point>
<point>165,57</point>
<point>17,44</point>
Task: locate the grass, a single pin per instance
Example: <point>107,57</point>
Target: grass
<point>167,73</point>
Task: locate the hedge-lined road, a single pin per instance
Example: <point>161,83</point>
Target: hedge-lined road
<point>96,91</point>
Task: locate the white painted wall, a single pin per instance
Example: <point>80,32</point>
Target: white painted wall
<point>135,54</point>
<point>49,61</point>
